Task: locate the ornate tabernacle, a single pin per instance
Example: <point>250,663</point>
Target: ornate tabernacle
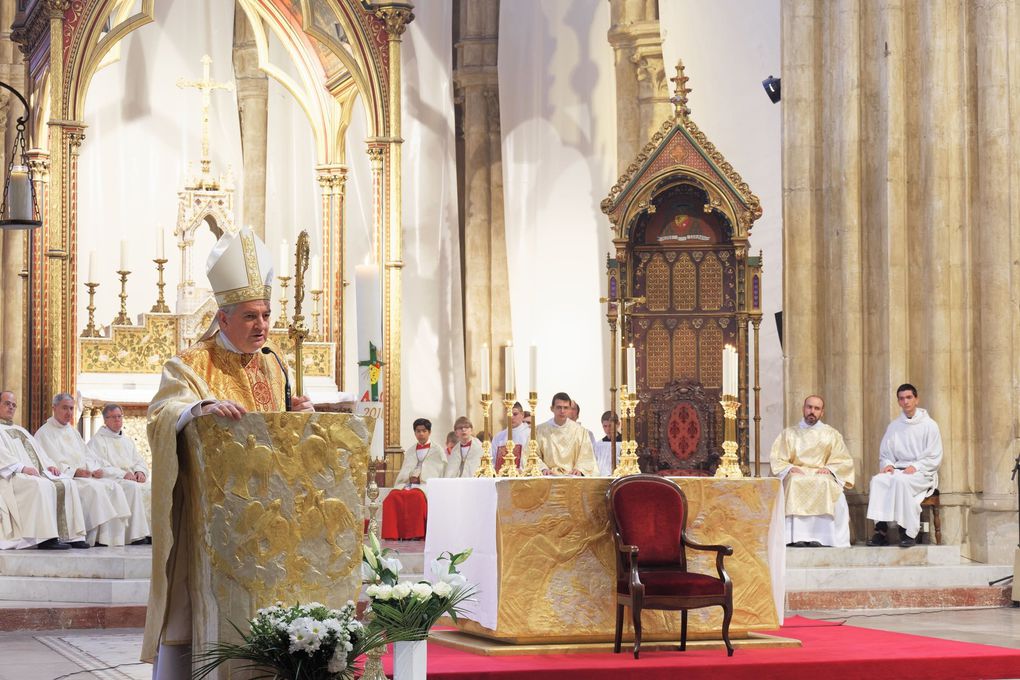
<point>681,219</point>
<point>275,513</point>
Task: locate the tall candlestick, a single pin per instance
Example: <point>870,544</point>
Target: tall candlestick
<point>316,267</point>
<point>486,382</point>
<point>508,368</point>
<point>283,258</point>
<point>533,369</point>
<point>92,266</point>
<point>123,255</point>
<point>631,369</point>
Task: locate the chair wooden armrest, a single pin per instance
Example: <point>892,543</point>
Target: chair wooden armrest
<point>720,552</point>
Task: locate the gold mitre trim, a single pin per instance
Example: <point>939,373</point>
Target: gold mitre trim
<point>259,286</point>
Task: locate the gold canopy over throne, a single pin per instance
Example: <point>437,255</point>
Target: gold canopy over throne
<point>684,286</point>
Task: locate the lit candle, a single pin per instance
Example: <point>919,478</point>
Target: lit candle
<point>161,245</point>
<point>283,258</point>
<point>631,369</point>
<point>92,267</point>
<point>533,369</point>
<point>19,195</point>
<point>316,268</point>
<point>123,255</point>
<point>486,382</point>
<point>508,373</point>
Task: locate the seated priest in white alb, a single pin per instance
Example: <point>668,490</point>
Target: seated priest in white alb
<point>909,458</point>
<point>120,459</point>
<point>812,460</point>
<point>225,373</point>
<point>111,517</point>
<point>564,447</point>
<point>43,508</point>
<point>466,455</point>
<point>522,434</point>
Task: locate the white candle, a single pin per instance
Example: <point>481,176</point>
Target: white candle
<point>631,369</point>
<point>508,373</point>
<point>283,258</point>
<point>316,268</point>
<point>484,369</point>
<point>123,255</point>
<point>161,245</point>
<point>92,267</point>
<point>19,195</point>
<point>533,369</point>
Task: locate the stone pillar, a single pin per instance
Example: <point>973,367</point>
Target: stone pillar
<point>899,264</point>
<point>13,304</point>
<point>252,110</point>
<point>486,283</point>
<point>332,185</point>
<point>396,16</point>
<point>642,97</point>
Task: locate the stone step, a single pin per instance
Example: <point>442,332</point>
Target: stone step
<point>898,598</point>
<point>80,590</point>
<point>863,556</point>
<point>128,562</point>
<point>892,577</point>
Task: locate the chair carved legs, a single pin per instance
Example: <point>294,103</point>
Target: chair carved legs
<point>635,611</point>
<point>683,630</point>
<point>727,615</point>
<point>619,629</point>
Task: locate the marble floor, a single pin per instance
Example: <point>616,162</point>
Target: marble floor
<point>112,654</point>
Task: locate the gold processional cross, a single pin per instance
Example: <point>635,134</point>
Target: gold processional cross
<point>205,86</point>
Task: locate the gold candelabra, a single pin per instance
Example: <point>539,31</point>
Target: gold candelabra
<point>160,307</point>
<point>298,332</point>
<point>509,466</point>
<point>90,330</point>
<point>316,312</point>
<point>122,318</point>
<point>531,465</point>
<point>485,466</point>
<point>729,466</point>
<point>373,664</point>
<point>281,322</point>
<point>628,464</point>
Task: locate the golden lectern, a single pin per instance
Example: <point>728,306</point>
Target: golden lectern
<point>271,509</point>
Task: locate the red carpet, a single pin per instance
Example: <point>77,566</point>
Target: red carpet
<point>831,652</point>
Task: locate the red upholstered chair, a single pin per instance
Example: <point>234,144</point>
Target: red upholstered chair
<point>650,522</point>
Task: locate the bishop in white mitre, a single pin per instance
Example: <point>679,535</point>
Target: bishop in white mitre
<point>119,457</point>
<point>110,518</point>
<point>812,460</point>
<point>41,506</point>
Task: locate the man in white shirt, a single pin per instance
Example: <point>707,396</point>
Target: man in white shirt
<point>909,458</point>
<point>114,516</point>
<point>120,459</point>
<point>43,506</point>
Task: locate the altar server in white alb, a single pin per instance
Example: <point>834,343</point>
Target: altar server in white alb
<point>812,460</point>
<point>466,456</point>
<point>909,459</point>
<point>120,459</point>
<point>42,508</point>
<point>111,517</point>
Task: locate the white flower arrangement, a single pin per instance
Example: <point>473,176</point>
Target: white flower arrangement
<point>405,611</point>
<point>302,642</point>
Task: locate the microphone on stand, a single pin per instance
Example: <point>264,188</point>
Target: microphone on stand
<point>286,379</point>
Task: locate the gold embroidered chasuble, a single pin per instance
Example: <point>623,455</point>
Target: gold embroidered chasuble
<point>812,449</point>
<point>565,448</point>
<point>205,371</point>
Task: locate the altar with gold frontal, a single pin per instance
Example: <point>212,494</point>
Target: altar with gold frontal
<point>544,561</point>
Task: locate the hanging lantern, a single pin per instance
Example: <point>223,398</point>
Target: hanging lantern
<point>19,209</point>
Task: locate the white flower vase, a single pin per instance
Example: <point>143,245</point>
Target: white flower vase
<point>410,660</point>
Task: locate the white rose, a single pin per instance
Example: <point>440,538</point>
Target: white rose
<point>372,590</point>
<point>442,589</point>
<point>383,592</point>
<point>401,590</point>
<point>421,591</point>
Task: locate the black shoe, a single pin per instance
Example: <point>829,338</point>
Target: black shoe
<point>878,539</point>
<point>52,544</point>
<point>79,545</point>
<point>812,544</point>
<point>142,541</point>
<point>908,542</point>
<point>100,545</point>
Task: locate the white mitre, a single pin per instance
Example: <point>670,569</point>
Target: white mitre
<point>240,269</point>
